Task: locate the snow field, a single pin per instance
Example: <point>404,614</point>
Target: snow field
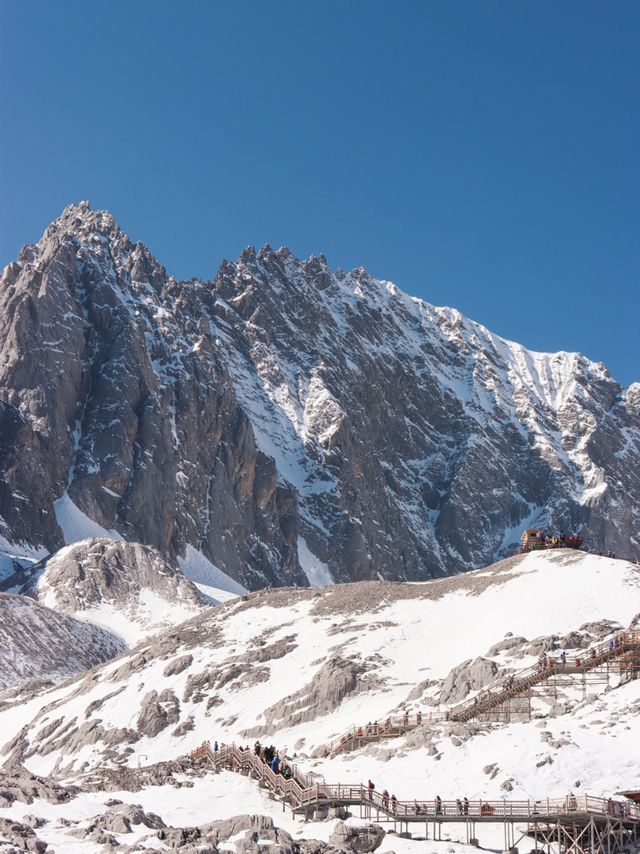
<point>212,798</point>
<point>593,748</point>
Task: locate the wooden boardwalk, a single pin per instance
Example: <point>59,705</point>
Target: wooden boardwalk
<point>568,825</point>
<point>621,653</point>
<point>583,824</point>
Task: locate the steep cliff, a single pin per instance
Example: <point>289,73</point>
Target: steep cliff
<point>290,422</point>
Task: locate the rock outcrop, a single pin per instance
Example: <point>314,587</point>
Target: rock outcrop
<point>18,784</point>
<point>21,836</point>
<point>251,834</point>
<point>128,584</point>
<point>467,677</point>
<point>119,819</point>
<point>284,417</point>
<point>360,837</point>
<point>336,680</point>
<point>157,711</point>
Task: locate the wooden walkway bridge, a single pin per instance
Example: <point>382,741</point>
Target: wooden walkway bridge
<point>577,825</point>
<point>511,695</point>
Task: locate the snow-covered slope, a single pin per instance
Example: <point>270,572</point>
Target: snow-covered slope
<point>290,422</point>
<point>38,643</point>
<point>126,588</point>
<point>297,668</point>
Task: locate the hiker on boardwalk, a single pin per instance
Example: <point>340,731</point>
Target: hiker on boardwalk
<point>563,658</point>
<point>458,806</point>
<point>385,799</point>
<point>371,787</point>
<point>275,764</point>
<point>438,805</point>
<point>465,805</point>
<point>394,803</point>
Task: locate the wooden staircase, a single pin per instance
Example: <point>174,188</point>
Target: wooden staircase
<point>304,793</point>
<point>623,651</point>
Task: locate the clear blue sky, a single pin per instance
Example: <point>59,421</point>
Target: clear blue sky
<point>483,155</point>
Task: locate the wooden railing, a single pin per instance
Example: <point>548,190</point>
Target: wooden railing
<point>390,727</point>
<point>489,698</point>
<point>299,789</point>
<point>547,667</point>
<point>302,790</point>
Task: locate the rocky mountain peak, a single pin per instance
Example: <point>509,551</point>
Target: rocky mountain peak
<point>287,422</point>
<point>80,223</point>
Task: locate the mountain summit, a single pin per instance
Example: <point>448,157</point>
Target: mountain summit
<point>285,423</point>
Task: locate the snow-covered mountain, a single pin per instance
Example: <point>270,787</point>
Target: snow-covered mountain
<point>297,668</point>
<point>41,645</point>
<point>284,422</point>
<point>93,599</point>
<point>301,666</point>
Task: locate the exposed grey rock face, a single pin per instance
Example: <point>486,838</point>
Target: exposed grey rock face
<point>466,677</point>
<point>337,679</point>
<point>21,836</point>
<point>283,400</point>
<point>18,784</point>
<point>171,773</point>
<point>361,838</point>
<point>157,712</point>
<point>119,819</point>
<point>38,643</point>
<point>114,389</point>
